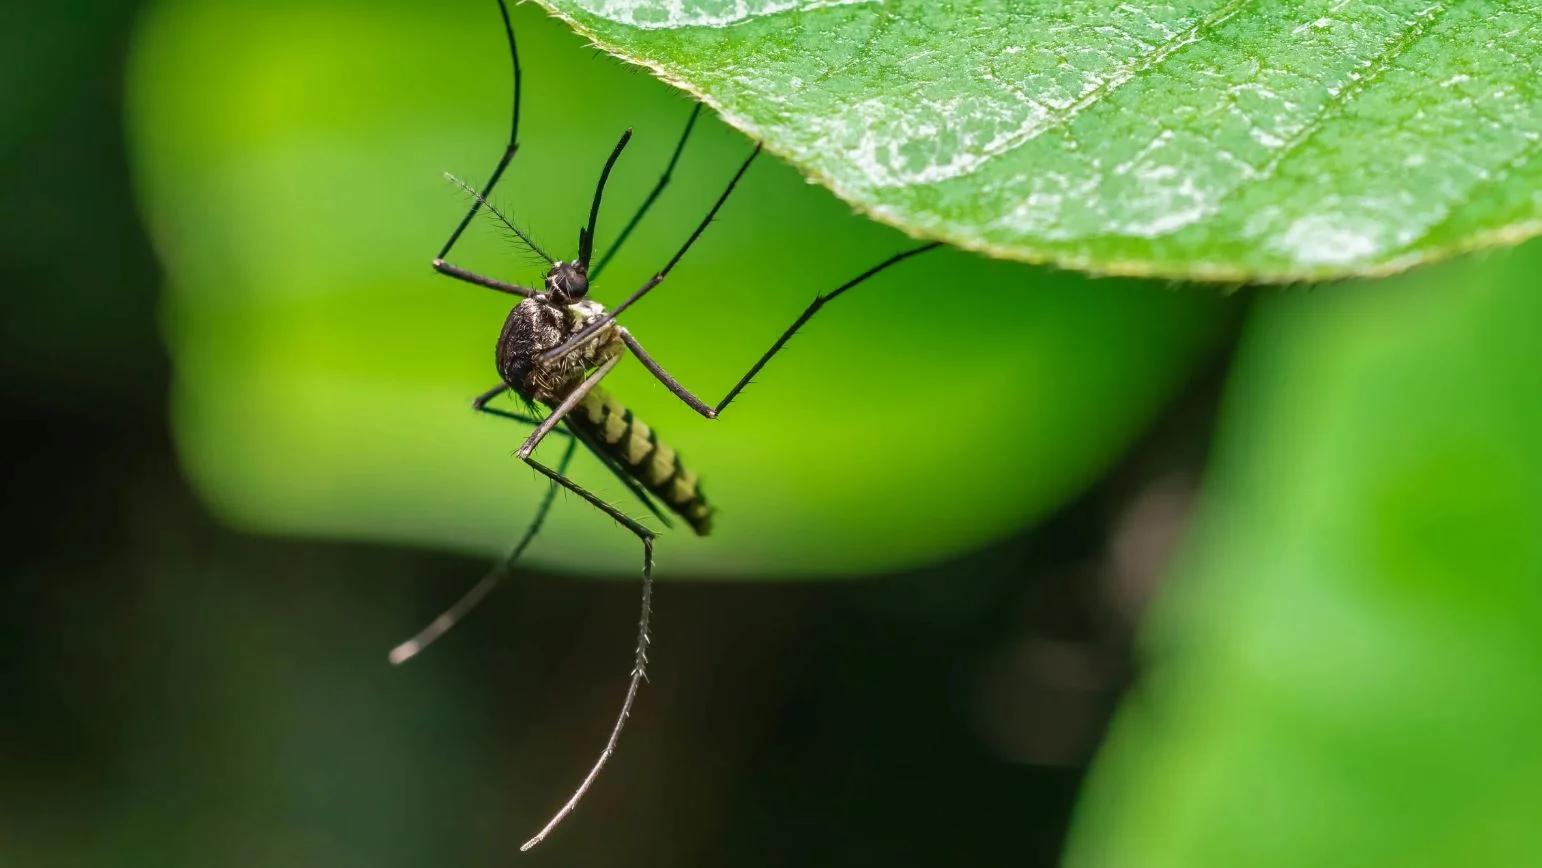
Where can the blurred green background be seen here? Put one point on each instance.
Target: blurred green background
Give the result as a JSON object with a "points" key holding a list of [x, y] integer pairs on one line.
{"points": [[293, 183], [243, 467]]}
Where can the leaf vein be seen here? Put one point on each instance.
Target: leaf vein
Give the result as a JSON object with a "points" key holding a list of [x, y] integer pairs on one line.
{"points": [[1148, 62], [1522, 157], [1335, 106]]}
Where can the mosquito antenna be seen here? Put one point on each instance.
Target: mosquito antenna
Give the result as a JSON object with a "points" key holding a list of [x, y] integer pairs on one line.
{"points": [[493, 209], [451, 616], [586, 237], [599, 323], [508, 150], [654, 194]]}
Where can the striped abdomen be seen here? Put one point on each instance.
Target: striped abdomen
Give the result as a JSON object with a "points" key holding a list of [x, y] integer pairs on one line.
{"points": [[637, 449]]}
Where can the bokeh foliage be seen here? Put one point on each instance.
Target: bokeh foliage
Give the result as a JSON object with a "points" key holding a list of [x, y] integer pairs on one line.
{"points": [[1345, 669], [293, 183], [1206, 139], [1341, 671]]}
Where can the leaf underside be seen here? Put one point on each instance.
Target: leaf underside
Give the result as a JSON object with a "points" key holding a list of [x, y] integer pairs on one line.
{"points": [[1224, 140]]}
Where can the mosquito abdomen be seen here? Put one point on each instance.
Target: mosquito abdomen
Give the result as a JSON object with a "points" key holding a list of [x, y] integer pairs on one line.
{"points": [[636, 447]]}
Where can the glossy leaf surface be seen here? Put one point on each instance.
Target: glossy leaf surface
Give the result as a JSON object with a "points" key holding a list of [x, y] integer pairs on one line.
{"points": [[1209, 139]]}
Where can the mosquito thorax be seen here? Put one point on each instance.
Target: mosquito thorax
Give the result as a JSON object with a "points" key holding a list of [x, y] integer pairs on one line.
{"points": [[567, 282]]}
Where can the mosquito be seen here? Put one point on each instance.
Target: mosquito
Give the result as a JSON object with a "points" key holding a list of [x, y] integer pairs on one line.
{"points": [[555, 347]]}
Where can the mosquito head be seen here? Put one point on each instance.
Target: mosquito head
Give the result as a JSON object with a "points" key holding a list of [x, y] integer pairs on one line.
{"points": [[567, 282]]}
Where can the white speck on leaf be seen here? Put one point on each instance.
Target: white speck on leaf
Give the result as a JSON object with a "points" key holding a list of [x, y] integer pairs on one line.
{"points": [[652, 15], [1329, 240]]}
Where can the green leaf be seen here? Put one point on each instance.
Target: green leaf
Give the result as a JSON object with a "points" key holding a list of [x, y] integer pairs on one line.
{"points": [[293, 182], [1344, 671], [1220, 140]]}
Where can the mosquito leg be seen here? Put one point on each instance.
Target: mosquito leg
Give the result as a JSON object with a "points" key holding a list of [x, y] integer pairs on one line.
{"points": [[459, 273], [480, 401], [663, 376], [588, 331], [639, 656], [623, 477], [508, 150], [712, 412], [566, 407], [652, 195], [479, 199], [468, 601], [480, 405], [451, 616]]}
